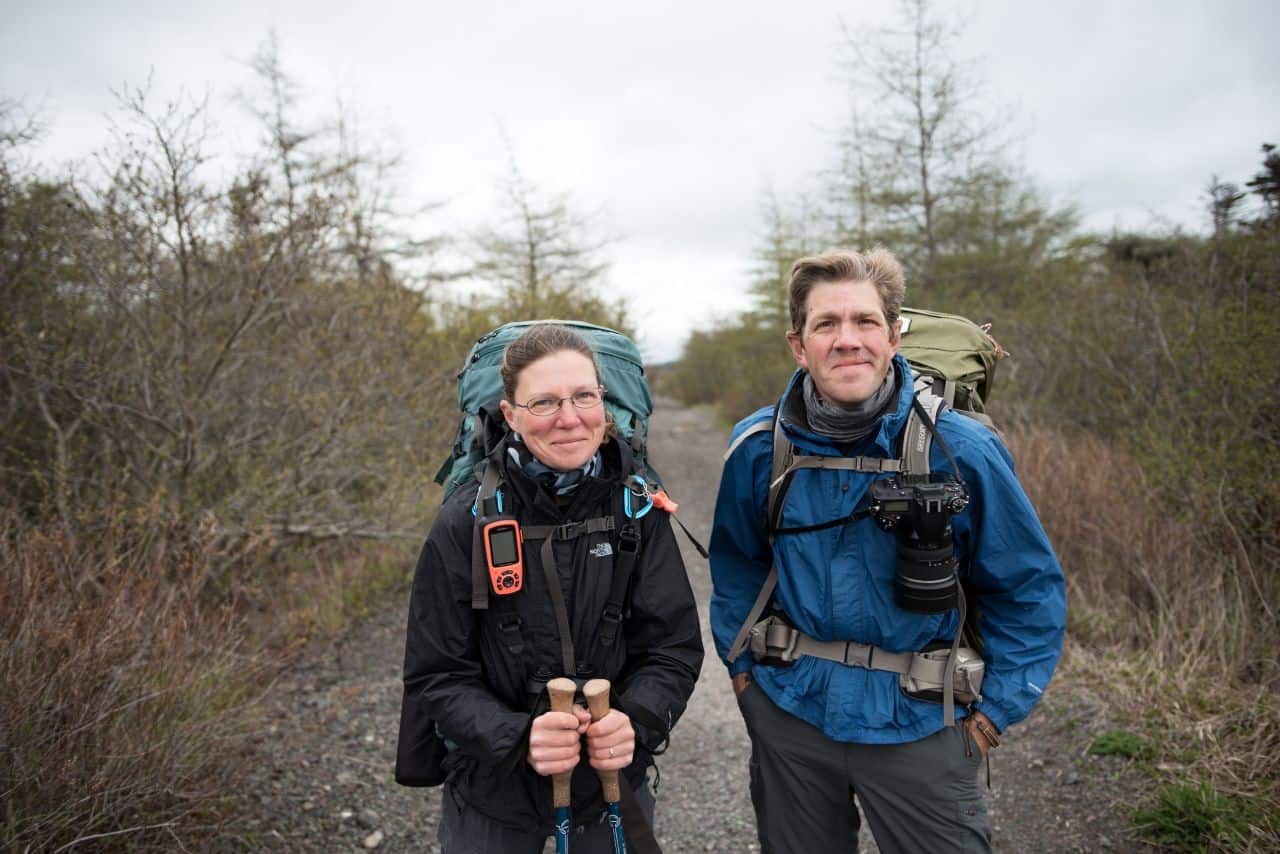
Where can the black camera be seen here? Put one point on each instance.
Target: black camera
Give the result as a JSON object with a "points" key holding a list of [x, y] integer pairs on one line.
{"points": [[926, 581]]}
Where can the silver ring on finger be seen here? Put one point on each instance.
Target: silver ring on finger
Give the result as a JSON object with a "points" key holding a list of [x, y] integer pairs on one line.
{"points": [[610, 752]]}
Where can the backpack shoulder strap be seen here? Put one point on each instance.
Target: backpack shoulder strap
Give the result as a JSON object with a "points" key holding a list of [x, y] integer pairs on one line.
{"points": [[782, 453], [758, 427], [624, 564], [917, 439], [753, 616], [486, 504]]}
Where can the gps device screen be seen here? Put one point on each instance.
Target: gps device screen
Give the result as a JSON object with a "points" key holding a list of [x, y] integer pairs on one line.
{"points": [[502, 545]]}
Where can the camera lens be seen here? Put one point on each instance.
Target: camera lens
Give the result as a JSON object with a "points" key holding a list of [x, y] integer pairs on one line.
{"points": [[926, 578]]}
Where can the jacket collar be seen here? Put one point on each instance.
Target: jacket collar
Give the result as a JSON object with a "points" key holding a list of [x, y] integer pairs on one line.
{"points": [[616, 462], [796, 424]]}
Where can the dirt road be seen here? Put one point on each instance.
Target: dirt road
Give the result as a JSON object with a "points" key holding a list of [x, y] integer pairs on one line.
{"points": [[323, 775]]}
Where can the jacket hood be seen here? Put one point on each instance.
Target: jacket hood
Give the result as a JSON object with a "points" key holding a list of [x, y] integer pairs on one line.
{"points": [[796, 423]]}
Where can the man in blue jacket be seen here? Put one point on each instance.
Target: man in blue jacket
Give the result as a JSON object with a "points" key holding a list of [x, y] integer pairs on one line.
{"points": [[834, 689]]}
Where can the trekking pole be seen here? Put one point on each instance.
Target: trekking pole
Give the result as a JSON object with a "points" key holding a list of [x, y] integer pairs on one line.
{"points": [[597, 693], [561, 691]]}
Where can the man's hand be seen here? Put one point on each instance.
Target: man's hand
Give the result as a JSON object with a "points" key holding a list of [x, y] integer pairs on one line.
{"points": [[982, 732], [555, 740], [740, 682], [611, 742]]}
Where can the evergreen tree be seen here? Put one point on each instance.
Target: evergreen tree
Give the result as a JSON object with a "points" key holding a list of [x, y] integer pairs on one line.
{"points": [[542, 259], [922, 168], [1266, 183]]}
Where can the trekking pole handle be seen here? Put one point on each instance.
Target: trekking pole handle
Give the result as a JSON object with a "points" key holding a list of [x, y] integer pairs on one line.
{"points": [[561, 691], [597, 693]]}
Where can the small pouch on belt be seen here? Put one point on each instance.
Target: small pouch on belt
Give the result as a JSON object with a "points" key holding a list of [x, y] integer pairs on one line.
{"points": [[773, 642], [924, 680]]}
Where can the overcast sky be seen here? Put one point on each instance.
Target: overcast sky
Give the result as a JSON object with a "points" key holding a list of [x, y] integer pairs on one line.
{"points": [[670, 120]]}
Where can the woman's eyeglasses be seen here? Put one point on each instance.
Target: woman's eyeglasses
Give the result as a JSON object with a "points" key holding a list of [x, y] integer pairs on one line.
{"points": [[587, 398]]}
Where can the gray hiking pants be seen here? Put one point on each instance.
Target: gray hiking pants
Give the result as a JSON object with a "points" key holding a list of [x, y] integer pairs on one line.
{"points": [[918, 796], [463, 830]]}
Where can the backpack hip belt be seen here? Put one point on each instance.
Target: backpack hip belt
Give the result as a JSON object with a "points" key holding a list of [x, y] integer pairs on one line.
{"points": [[920, 672]]}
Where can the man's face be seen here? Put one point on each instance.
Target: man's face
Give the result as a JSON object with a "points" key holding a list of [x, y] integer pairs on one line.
{"points": [[846, 344]]}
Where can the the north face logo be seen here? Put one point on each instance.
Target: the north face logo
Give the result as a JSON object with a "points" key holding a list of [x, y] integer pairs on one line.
{"points": [[601, 550]]}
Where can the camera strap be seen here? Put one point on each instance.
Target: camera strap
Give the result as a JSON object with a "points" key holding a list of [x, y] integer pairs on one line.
{"points": [[821, 526]]}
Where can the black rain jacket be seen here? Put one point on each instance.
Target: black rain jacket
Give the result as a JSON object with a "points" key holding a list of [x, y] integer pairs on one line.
{"points": [[483, 698]]}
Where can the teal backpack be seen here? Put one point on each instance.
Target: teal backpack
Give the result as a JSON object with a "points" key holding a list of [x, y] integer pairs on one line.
{"points": [[626, 396]]}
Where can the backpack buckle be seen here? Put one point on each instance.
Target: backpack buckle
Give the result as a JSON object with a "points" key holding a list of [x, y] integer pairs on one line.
{"points": [[629, 539], [509, 630], [569, 531], [612, 616], [610, 622]]}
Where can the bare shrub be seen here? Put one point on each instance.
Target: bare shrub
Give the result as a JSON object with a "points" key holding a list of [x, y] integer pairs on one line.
{"points": [[222, 391], [122, 694], [739, 367], [238, 346]]}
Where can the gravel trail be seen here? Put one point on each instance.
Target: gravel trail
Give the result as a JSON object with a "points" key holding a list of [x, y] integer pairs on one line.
{"points": [[322, 764]]}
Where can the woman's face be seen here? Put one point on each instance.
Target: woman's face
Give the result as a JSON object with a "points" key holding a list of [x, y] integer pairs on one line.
{"points": [[570, 437]]}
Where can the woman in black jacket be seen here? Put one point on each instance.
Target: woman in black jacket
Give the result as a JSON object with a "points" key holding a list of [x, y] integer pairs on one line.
{"points": [[481, 673]]}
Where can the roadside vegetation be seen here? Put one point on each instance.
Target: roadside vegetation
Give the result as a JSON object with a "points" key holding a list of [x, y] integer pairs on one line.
{"points": [[225, 386], [1137, 399]]}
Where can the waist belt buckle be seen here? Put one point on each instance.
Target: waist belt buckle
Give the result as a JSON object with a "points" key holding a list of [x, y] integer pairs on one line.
{"points": [[858, 654]]}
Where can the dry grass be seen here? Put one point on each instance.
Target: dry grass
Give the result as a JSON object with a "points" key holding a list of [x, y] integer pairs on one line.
{"points": [[315, 592], [122, 695], [1166, 626], [127, 685]]}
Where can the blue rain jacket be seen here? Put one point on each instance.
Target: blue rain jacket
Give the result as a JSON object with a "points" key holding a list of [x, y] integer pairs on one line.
{"points": [[837, 584]]}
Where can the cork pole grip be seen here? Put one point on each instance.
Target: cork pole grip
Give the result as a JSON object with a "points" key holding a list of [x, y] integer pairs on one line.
{"points": [[561, 691], [597, 693]]}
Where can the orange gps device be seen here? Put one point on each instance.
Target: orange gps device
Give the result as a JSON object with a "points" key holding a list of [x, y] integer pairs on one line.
{"points": [[504, 555]]}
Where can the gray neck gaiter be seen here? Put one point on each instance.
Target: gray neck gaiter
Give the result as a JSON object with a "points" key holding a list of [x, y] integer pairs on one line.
{"points": [[841, 423]]}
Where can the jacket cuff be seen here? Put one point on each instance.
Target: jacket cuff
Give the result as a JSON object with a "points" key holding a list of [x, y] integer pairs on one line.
{"points": [[651, 732], [999, 718]]}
